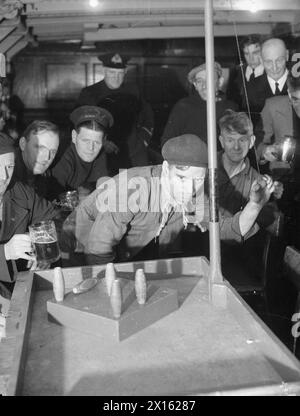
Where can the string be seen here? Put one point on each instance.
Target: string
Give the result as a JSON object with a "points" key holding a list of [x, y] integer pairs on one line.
{"points": [[243, 75]]}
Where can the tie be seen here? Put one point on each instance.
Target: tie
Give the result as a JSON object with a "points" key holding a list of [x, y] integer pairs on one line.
{"points": [[277, 90], [252, 75]]}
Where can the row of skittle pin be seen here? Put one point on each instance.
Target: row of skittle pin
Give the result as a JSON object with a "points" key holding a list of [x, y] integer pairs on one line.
{"points": [[113, 287]]}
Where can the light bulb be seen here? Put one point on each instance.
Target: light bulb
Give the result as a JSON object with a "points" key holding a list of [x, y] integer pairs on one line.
{"points": [[94, 3], [253, 6]]}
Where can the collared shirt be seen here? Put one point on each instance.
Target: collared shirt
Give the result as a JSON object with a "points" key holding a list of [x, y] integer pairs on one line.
{"points": [[258, 71], [281, 81]]}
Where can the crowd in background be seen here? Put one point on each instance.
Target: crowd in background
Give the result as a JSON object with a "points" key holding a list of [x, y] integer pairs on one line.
{"points": [[112, 128]]}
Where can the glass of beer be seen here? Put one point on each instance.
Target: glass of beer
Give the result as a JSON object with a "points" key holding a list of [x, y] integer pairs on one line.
{"points": [[44, 238]]}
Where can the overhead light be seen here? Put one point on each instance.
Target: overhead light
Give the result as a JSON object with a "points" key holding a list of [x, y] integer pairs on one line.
{"points": [[253, 6], [94, 3]]}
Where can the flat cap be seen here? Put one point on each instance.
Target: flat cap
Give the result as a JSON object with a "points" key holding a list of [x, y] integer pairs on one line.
{"points": [[113, 60], [90, 112], [7, 144], [192, 74], [185, 150]]}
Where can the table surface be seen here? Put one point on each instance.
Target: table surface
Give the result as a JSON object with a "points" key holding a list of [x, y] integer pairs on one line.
{"points": [[198, 349]]}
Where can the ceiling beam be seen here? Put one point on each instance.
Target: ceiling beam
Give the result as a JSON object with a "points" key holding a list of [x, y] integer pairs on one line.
{"points": [[224, 16], [5, 31], [8, 42], [16, 48], [150, 6], [172, 32]]}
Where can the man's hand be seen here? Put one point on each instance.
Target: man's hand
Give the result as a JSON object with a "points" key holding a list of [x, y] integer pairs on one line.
{"points": [[110, 147], [278, 190], [261, 190], [19, 247], [270, 152], [35, 265]]}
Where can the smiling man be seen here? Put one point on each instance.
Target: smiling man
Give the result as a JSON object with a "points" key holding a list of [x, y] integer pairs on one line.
{"points": [[38, 147], [20, 206], [84, 161]]}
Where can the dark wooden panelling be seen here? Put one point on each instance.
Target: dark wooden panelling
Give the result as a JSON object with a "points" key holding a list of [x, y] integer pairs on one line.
{"points": [[29, 83], [64, 81]]}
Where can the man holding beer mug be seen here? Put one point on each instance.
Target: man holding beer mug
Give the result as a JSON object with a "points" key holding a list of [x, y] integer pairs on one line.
{"points": [[20, 206]]}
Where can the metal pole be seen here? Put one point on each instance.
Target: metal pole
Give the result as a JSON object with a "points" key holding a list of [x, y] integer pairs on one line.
{"points": [[214, 231]]}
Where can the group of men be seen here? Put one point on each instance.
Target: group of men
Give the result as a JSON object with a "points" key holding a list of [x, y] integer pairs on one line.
{"points": [[143, 205]]}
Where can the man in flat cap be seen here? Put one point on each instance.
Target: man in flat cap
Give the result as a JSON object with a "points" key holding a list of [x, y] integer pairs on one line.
{"points": [[128, 140], [144, 209], [20, 206], [37, 149], [84, 161], [189, 114]]}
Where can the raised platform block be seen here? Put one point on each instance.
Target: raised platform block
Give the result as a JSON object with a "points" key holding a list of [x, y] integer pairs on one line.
{"points": [[91, 312]]}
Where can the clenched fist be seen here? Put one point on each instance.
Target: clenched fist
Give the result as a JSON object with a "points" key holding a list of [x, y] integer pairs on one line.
{"points": [[19, 247], [261, 190]]}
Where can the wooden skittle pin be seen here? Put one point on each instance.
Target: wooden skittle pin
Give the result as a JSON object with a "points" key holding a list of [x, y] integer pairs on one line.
{"points": [[110, 276], [116, 298], [140, 286], [58, 284]]}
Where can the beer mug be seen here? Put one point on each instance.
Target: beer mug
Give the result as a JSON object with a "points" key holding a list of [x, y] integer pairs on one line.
{"points": [[44, 239]]}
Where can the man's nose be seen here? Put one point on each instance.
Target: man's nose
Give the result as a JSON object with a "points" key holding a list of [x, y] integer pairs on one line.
{"points": [[236, 145]]}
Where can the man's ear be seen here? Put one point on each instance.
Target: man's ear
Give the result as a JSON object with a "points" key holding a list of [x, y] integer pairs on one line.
{"points": [[221, 141], [74, 136], [22, 143], [252, 141]]}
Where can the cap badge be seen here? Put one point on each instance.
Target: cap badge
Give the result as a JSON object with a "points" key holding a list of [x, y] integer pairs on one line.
{"points": [[116, 59]]}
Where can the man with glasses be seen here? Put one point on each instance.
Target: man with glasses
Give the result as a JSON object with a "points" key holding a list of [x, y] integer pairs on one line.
{"points": [[148, 207], [189, 114]]}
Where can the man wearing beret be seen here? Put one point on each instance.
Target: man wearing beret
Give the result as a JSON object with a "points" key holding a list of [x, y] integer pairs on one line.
{"points": [[189, 115], [129, 212], [20, 206], [37, 149], [84, 161], [128, 140]]}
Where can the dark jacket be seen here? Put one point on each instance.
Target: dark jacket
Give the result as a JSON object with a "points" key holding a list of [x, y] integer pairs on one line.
{"points": [[258, 90], [40, 183], [21, 207], [189, 117], [133, 121], [71, 171]]}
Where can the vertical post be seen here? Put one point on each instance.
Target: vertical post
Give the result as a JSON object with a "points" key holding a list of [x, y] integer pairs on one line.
{"points": [[214, 232]]}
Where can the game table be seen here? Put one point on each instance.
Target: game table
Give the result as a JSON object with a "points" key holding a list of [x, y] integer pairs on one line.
{"points": [[213, 344]]}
